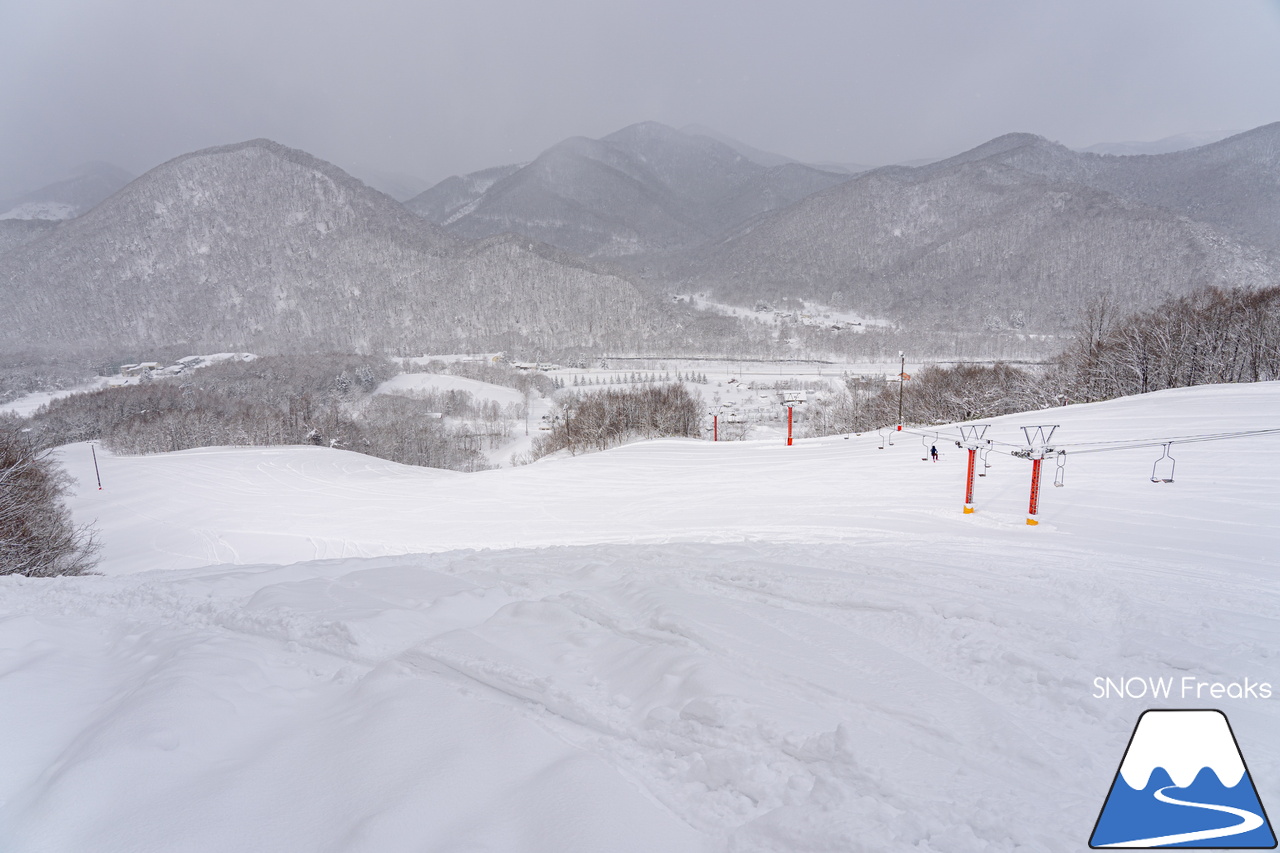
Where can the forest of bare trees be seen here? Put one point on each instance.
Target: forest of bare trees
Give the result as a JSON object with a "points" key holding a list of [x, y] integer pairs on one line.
{"points": [[1210, 336]]}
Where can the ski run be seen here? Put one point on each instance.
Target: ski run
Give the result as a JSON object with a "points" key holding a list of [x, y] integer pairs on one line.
{"points": [[672, 646]]}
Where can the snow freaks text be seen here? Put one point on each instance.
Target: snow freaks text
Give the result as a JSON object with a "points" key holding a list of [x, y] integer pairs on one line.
{"points": [[1186, 687]]}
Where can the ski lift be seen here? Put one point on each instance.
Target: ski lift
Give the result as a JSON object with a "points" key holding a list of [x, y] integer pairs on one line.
{"points": [[1059, 476], [1162, 471], [983, 454], [881, 433], [924, 440]]}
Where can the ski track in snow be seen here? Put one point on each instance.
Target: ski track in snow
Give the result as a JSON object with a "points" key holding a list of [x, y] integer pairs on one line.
{"points": [[670, 646]]}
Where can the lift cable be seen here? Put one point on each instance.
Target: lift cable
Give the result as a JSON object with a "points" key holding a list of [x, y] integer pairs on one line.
{"points": [[1078, 447]]}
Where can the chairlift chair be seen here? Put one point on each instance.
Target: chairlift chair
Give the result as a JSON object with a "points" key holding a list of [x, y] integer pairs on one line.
{"points": [[1162, 470]]}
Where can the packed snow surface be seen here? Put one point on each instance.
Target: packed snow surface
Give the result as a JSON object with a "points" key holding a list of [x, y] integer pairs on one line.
{"points": [[672, 646]]}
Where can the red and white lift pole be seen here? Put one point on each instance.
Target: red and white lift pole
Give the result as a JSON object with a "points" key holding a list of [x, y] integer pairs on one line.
{"points": [[1033, 508], [1038, 447], [971, 438], [788, 426]]}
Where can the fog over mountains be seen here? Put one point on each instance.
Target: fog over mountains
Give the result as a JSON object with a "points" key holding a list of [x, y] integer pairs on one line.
{"points": [[1169, 144], [646, 188], [64, 199], [259, 247]]}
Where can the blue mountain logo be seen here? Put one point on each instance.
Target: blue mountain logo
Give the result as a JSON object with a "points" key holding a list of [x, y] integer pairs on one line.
{"points": [[1183, 783]]}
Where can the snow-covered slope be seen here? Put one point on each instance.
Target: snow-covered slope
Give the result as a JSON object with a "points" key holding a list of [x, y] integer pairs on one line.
{"points": [[671, 646]]}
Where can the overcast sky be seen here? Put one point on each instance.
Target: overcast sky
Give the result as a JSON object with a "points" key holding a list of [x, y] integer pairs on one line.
{"points": [[432, 88]]}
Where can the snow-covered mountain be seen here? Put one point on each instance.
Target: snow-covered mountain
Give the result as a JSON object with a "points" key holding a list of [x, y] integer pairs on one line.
{"points": [[88, 186], [455, 196], [769, 158], [644, 188], [672, 646], [1232, 184], [260, 247], [1016, 233]]}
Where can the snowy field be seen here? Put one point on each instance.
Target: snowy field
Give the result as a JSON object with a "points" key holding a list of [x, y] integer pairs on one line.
{"points": [[671, 646], [26, 405], [422, 384]]}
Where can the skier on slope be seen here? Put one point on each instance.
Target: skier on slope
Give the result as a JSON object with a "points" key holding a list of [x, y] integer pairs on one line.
{"points": [[933, 451]]}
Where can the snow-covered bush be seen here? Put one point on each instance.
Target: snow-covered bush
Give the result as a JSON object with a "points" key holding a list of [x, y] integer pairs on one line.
{"points": [[604, 419], [37, 536]]}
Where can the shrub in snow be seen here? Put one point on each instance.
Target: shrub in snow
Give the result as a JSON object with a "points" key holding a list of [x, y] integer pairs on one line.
{"points": [[596, 421], [37, 537]]}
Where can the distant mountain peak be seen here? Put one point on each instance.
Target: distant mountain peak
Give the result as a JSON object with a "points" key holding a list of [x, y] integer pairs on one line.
{"points": [[1007, 143], [647, 130], [647, 187]]}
